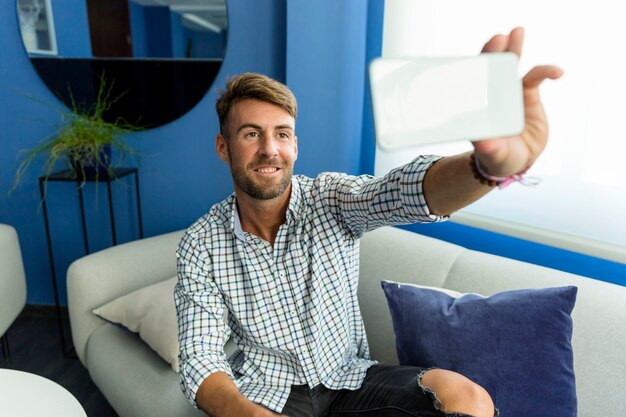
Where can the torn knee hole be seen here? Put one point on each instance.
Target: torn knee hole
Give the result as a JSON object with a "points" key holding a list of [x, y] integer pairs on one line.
{"points": [[428, 391], [438, 404]]}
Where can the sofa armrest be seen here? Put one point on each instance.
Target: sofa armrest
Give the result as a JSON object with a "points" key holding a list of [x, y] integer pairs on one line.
{"points": [[12, 277], [110, 273]]}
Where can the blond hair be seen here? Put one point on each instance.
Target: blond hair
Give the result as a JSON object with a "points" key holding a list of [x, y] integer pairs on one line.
{"points": [[254, 86]]}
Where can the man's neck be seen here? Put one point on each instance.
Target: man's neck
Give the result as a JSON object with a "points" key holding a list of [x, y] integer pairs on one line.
{"points": [[262, 218]]}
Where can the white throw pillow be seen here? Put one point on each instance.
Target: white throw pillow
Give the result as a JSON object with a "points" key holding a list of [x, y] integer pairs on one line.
{"points": [[149, 311]]}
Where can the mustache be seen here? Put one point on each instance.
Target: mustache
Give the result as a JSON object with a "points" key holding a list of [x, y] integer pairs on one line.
{"points": [[264, 162]]}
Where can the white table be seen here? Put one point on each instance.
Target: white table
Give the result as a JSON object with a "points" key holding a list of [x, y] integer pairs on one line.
{"points": [[23, 394]]}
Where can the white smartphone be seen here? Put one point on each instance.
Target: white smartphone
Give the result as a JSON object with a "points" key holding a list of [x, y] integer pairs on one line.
{"points": [[425, 100]]}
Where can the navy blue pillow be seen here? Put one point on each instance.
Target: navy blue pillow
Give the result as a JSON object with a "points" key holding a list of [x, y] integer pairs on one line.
{"points": [[516, 344]]}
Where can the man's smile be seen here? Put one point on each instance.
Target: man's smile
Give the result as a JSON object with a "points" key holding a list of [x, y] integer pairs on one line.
{"points": [[266, 170]]}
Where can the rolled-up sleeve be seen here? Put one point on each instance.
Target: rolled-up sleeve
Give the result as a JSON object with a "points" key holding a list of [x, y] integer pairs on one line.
{"points": [[364, 203], [202, 332]]}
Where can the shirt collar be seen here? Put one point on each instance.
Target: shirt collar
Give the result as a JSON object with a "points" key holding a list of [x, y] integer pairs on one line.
{"points": [[294, 209], [235, 222]]}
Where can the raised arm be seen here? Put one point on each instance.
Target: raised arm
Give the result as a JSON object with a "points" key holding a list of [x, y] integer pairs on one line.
{"points": [[450, 185]]}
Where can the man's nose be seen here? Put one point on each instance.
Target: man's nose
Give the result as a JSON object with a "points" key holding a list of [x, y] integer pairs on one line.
{"points": [[268, 146]]}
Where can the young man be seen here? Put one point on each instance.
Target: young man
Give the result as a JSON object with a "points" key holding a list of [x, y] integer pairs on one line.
{"points": [[280, 256]]}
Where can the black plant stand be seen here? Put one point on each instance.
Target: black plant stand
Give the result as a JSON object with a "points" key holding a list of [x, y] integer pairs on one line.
{"points": [[67, 176]]}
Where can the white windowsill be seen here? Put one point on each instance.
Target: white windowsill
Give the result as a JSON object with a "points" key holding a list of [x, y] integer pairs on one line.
{"points": [[596, 248]]}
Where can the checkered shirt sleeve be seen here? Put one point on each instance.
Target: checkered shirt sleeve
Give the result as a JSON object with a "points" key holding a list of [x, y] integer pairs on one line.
{"points": [[364, 203], [200, 311]]}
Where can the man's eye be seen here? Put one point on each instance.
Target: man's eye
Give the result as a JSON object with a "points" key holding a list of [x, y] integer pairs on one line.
{"points": [[283, 136], [252, 134]]}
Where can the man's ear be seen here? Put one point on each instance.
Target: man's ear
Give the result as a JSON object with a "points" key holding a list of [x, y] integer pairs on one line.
{"points": [[296, 150], [221, 147]]}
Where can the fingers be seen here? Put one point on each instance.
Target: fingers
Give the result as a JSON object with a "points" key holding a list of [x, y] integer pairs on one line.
{"points": [[512, 42], [538, 74], [497, 43], [516, 41]]}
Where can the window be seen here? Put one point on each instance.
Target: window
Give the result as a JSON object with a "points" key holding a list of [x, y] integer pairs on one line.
{"points": [[37, 26], [581, 203]]}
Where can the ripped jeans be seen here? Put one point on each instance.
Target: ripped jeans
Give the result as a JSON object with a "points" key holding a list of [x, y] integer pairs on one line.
{"points": [[387, 391]]}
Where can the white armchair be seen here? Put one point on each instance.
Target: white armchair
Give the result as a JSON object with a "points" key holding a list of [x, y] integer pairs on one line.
{"points": [[12, 282]]}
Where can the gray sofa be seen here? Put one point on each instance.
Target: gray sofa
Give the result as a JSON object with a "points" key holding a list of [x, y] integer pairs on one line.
{"points": [[137, 382]]}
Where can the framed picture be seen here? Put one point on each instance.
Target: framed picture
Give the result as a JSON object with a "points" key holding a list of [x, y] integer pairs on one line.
{"points": [[37, 26]]}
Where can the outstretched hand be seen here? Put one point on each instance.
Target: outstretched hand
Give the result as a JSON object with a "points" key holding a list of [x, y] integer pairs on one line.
{"points": [[511, 155]]}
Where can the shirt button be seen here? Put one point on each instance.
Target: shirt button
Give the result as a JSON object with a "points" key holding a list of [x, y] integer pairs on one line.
{"points": [[282, 275]]}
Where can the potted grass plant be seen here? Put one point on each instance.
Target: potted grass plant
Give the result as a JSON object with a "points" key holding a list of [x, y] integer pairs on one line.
{"points": [[84, 141]]}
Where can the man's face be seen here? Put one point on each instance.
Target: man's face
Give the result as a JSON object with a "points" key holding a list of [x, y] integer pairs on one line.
{"points": [[260, 146]]}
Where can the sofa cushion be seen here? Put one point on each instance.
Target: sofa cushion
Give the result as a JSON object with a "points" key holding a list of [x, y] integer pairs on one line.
{"points": [[150, 312], [516, 344]]}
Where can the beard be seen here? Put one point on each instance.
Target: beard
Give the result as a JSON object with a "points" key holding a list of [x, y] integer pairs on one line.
{"points": [[259, 191]]}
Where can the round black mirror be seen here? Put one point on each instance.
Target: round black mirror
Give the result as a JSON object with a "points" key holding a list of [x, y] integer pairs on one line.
{"points": [[159, 57]]}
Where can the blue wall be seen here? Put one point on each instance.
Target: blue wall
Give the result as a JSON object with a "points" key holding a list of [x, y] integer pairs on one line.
{"points": [[138, 30], [158, 32], [374, 46], [180, 175], [325, 69], [70, 25], [205, 44]]}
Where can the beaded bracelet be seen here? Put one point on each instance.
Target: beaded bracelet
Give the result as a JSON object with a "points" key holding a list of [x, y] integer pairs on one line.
{"points": [[502, 182]]}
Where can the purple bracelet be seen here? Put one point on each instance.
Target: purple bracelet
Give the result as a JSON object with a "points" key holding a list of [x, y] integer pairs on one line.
{"points": [[502, 182]]}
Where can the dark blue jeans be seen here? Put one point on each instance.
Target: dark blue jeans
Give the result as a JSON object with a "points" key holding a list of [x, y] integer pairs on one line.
{"points": [[388, 391]]}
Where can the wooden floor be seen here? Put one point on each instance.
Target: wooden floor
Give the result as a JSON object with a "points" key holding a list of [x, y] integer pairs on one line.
{"points": [[35, 347]]}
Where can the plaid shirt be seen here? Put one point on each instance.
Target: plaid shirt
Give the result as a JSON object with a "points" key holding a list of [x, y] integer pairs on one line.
{"points": [[292, 308]]}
